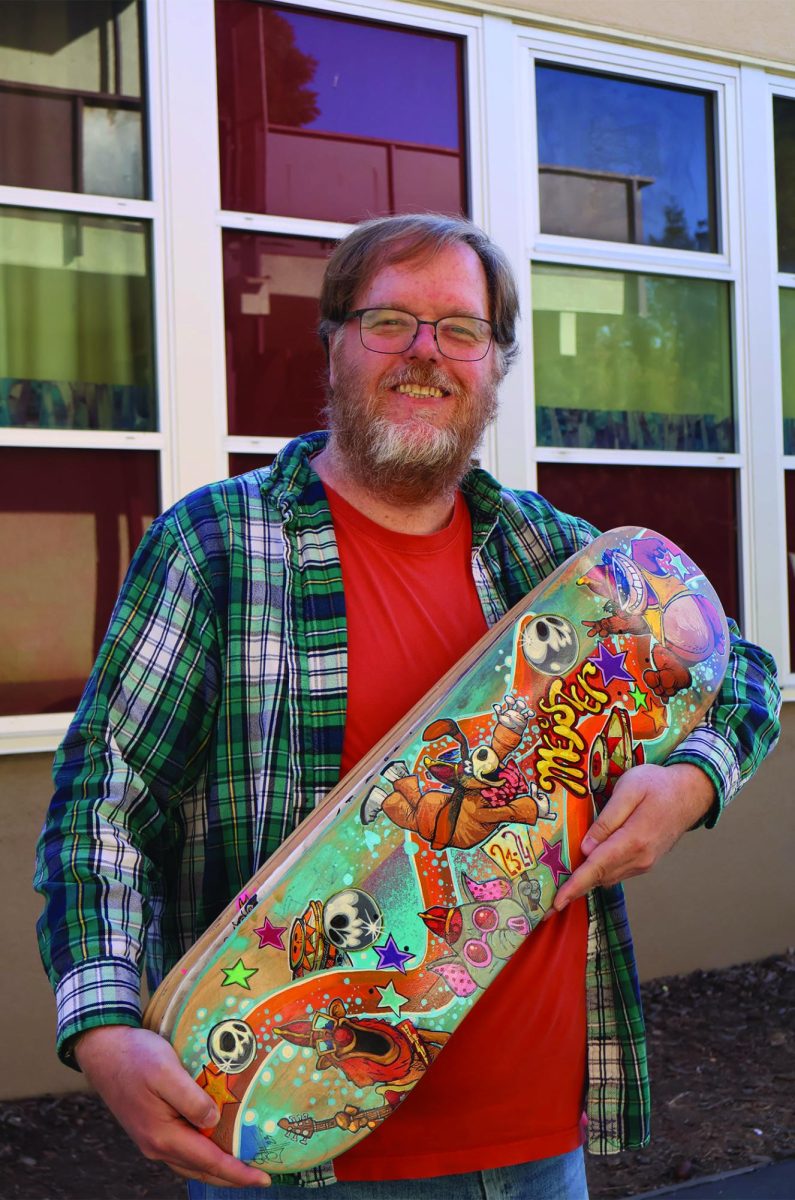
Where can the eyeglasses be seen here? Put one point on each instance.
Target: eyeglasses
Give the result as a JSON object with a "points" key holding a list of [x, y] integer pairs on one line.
{"points": [[391, 331]]}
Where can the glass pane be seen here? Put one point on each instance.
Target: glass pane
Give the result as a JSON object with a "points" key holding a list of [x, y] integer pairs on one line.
{"points": [[69, 522], [629, 361], [275, 364], [784, 132], [787, 308], [625, 161], [694, 506], [789, 492], [70, 94], [327, 117], [76, 336], [240, 464]]}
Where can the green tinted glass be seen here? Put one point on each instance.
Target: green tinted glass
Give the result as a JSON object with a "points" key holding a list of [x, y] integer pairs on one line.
{"points": [[630, 361], [76, 336], [787, 308]]}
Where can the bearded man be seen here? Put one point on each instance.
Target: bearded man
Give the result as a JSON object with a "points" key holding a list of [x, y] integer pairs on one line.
{"points": [[272, 627]]}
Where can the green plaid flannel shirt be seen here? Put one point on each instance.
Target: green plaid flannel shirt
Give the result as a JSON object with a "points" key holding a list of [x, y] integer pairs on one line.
{"points": [[212, 724]]}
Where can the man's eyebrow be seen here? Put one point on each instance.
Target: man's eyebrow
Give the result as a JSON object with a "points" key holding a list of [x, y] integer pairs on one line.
{"points": [[455, 312]]}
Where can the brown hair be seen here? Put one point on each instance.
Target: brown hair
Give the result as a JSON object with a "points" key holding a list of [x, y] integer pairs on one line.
{"points": [[384, 240]]}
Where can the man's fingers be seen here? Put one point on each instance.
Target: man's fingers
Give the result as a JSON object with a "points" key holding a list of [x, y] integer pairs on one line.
{"points": [[185, 1096], [190, 1154], [629, 792]]}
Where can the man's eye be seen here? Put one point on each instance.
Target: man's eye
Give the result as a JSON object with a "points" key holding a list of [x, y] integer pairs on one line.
{"points": [[387, 322], [461, 333]]}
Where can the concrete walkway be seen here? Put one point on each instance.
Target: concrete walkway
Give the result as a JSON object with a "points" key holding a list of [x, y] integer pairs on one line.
{"points": [[776, 1181]]}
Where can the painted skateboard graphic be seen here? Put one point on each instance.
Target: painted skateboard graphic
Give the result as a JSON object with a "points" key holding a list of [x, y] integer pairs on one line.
{"points": [[322, 994]]}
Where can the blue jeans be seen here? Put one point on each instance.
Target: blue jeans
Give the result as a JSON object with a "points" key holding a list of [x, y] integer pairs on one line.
{"points": [[559, 1178]]}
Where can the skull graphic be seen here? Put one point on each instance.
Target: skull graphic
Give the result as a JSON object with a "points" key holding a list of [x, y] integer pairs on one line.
{"points": [[550, 644], [352, 920], [232, 1046]]}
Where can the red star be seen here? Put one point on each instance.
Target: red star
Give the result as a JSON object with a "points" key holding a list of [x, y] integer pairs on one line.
{"points": [[551, 858], [271, 935]]}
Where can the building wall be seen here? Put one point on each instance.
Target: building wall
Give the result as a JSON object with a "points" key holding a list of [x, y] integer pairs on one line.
{"points": [[722, 896], [759, 28]]}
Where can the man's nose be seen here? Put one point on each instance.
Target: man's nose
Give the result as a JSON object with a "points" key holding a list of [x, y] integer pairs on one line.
{"points": [[424, 345]]}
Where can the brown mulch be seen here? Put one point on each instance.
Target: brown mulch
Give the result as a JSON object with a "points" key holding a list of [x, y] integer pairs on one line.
{"points": [[722, 1051]]}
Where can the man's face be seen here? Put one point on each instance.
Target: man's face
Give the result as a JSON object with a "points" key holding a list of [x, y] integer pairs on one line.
{"points": [[388, 430]]}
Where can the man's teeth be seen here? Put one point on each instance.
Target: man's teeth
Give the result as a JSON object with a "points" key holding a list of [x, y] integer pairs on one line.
{"points": [[414, 389]]}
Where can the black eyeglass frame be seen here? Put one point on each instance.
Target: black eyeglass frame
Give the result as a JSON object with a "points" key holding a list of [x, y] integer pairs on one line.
{"points": [[359, 312]]}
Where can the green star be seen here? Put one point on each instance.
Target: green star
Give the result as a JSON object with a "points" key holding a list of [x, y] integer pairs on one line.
{"points": [[640, 697], [239, 974], [391, 998]]}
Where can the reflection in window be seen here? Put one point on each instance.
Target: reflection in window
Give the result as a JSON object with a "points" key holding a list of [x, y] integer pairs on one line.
{"points": [[327, 117], [625, 161], [660, 497], [76, 337], [784, 132], [69, 523], [787, 309], [630, 361], [275, 364], [71, 105]]}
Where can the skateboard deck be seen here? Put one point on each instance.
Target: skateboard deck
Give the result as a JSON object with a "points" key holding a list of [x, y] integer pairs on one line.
{"points": [[325, 990]]}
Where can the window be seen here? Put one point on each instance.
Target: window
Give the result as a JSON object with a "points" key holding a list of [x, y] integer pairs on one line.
{"points": [[80, 441], [631, 286], [784, 142]]}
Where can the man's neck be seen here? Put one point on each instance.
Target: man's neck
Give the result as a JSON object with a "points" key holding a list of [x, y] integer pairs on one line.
{"points": [[420, 517]]}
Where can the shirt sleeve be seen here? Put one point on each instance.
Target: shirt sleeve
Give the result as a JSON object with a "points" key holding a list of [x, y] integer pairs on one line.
{"points": [[136, 742], [740, 728]]}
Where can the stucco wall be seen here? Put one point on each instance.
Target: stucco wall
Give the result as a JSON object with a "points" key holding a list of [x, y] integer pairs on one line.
{"points": [[722, 896], [759, 28]]}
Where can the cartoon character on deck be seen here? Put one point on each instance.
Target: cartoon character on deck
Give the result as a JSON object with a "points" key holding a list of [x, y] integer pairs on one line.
{"points": [[369, 1052], [481, 788], [485, 932], [644, 596]]}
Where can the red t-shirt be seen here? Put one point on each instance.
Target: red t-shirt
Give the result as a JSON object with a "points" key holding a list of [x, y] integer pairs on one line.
{"points": [[509, 1086]]}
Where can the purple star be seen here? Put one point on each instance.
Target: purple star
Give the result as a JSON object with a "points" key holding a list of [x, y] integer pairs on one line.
{"points": [[271, 935], [611, 665], [552, 858], [390, 957]]}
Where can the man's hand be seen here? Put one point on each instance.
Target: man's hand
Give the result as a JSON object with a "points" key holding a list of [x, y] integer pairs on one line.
{"points": [[154, 1099], [648, 812]]}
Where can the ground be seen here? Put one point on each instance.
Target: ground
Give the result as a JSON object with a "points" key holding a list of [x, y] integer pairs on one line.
{"points": [[722, 1053]]}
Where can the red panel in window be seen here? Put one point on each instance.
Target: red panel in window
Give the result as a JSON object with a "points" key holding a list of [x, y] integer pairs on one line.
{"points": [[694, 506], [275, 363], [69, 522], [328, 117], [789, 493], [240, 464]]}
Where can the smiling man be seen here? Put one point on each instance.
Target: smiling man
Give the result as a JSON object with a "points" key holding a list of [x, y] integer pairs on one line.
{"points": [[271, 628]]}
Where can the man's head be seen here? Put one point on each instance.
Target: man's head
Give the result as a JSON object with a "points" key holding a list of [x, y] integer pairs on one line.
{"points": [[406, 414]]}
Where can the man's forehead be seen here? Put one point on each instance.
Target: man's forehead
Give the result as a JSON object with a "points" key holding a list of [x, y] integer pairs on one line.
{"points": [[452, 274]]}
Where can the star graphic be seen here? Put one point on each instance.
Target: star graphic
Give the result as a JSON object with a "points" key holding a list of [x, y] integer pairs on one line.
{"points": [[271, 935], [391, 998], [390, 957], [679, 567], [239, 974], [640, 697], [552, 857], [611, 665], [214, 1083]]}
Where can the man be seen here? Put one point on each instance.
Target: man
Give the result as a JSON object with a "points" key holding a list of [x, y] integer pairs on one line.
{"points": [[237, 681]]}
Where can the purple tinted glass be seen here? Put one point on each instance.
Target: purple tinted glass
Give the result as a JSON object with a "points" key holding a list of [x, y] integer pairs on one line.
{"points": [[784, 133], [696, 507], [332, 118], [624, 160], [69, 522], [275, 364]]}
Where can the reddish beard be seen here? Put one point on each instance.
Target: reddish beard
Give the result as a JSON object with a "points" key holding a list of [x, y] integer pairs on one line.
{"points": [[412, 460]]}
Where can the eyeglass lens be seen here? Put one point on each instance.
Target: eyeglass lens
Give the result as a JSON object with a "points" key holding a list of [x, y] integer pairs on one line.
{"points": [[390, 331]]}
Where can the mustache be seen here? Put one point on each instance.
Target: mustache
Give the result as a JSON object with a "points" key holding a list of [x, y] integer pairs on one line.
{"points": [[421, 375]]}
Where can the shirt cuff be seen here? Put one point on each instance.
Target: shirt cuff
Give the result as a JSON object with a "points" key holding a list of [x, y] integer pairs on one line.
{"points": [[714, 754], [103, 991]]}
